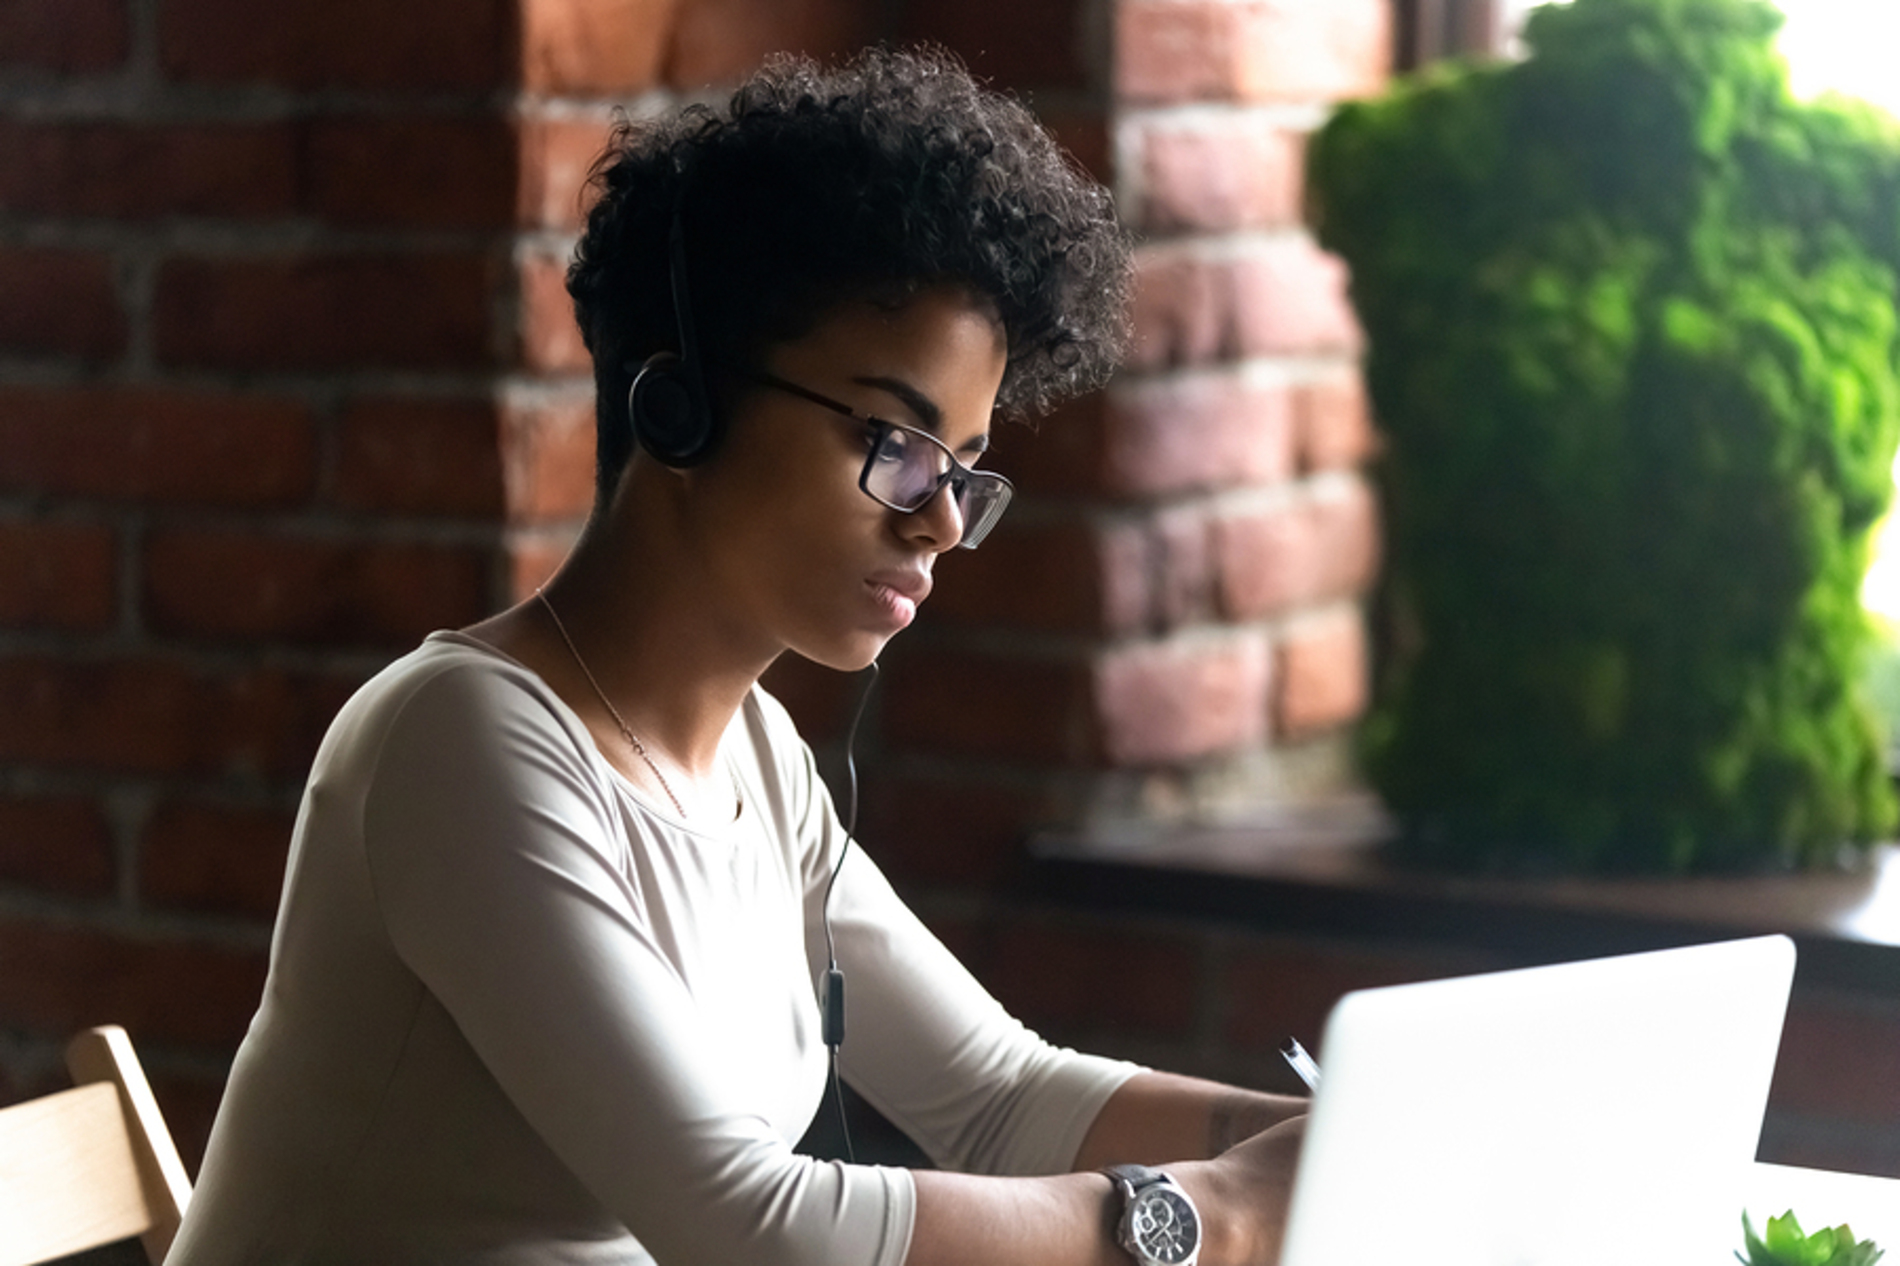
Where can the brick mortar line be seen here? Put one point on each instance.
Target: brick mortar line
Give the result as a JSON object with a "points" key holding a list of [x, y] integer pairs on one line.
{"points": [[1300, 116], [1128, 184], [341, 664], [508, 308], [152, 926], [137, 285], [230, 793], [564, 108], [302, 233], [1312, 615], [31, 1059], [56, 511], [543, 241], [127, 809], [129, 532], [296, 524], [1266, 369], [224, 791], [554, 531], [1224, 244], [142, 57], [532, 391], [1300, 489], [314, 388], [142, 97], [1094, 31]]}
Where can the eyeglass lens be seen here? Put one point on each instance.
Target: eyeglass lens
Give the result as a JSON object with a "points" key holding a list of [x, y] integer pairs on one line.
{"points": [[906, 468]]}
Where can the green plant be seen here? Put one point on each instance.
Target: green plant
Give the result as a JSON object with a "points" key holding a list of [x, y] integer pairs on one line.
{"points": [[1631, 340], [1785, 1245]]}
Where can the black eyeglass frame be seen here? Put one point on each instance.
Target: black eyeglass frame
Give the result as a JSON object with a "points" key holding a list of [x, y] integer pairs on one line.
{"points": [[957, 475]]}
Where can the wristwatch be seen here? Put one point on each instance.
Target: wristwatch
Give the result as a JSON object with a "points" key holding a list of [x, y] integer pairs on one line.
{"points": [[1159, 1224]]}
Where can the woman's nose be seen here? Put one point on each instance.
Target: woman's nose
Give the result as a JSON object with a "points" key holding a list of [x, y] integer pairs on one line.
{"points": [[938, 522]]}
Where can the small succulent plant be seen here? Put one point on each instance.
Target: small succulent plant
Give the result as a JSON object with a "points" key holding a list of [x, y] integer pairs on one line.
{"points": [[1783, 1244]]}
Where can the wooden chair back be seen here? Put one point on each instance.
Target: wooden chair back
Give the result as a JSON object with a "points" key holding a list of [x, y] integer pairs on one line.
{"points": [[92, 1165]]}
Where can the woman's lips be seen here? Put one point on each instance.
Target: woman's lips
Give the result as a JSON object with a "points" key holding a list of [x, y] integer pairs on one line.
{"points": [[900, 594]]}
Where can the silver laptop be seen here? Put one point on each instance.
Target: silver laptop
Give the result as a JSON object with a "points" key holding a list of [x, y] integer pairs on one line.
{"points": [[1591, 1112]]}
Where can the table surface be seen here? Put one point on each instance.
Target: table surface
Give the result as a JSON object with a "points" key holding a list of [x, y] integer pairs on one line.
{"points": [[1818, 1198]]}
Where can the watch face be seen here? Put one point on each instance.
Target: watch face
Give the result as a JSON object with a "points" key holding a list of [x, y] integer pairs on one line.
{"points": [[1164, 1226]]}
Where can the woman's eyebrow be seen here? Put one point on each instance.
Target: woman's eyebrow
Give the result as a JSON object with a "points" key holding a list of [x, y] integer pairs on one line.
{"points": [[917, 402], [922, 406]]}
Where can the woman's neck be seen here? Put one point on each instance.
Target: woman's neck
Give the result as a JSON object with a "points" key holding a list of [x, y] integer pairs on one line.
{"points": [[654, 646], [628, 636]]}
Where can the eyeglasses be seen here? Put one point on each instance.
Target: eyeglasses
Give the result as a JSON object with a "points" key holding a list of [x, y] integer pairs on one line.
{"points": [[906, 468]]}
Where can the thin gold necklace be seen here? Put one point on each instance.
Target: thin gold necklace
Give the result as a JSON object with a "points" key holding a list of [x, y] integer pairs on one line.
{"points": [[626, 731]]}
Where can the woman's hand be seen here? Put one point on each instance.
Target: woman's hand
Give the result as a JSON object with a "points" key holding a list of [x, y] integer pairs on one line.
{"points": [[1243, 1196]]}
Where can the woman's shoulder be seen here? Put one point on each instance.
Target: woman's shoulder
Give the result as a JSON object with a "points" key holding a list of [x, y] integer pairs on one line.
{"points": [[449, 660], [454, 688]]}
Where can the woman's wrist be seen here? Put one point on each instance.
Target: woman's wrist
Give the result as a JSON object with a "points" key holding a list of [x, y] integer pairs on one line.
{"points": [[1242, 1196], [1224, 1235]]}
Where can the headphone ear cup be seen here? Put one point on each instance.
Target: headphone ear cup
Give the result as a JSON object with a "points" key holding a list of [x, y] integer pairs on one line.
{"points": [[670, 419]]}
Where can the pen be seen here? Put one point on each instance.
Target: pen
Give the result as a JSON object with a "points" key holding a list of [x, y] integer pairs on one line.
{"points": [[1302, 1063]]}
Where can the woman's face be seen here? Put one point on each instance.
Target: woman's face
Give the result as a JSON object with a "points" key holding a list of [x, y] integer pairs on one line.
{"points": [[797, 553]]}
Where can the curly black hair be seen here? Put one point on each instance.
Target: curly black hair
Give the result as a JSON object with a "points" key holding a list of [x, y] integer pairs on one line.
{"points": [[814, 185]]}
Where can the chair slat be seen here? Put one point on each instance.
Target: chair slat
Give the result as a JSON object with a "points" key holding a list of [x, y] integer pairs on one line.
{"points": [[68, 1180], [105, 1054]]}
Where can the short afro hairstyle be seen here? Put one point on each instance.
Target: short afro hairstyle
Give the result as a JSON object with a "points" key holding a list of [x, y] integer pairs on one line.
{"points": [[812, 186]]}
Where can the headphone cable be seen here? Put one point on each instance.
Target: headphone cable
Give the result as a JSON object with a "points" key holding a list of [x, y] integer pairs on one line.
{"points": [[832, 1008]]}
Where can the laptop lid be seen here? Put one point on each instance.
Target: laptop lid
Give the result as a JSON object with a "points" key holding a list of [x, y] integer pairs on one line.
{"points": [[1589, 1112]]}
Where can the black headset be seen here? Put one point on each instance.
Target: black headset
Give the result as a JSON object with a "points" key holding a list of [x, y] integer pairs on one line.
{"points": [[667, 405]]}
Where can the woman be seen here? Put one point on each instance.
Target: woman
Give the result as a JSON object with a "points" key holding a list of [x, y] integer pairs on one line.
{"points": [[565, 884]]}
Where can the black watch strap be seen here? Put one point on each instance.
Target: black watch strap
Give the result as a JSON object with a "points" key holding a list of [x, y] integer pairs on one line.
{"points": [[1134, 1177]]}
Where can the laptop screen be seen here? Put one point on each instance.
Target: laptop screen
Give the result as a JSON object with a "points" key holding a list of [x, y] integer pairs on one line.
{"points": [[1590, 1112]]}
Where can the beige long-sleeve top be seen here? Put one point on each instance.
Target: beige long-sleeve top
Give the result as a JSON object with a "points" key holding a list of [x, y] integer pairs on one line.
{"points": [[518, 1013]]}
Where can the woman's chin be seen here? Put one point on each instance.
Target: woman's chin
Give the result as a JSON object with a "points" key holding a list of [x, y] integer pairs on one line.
{"points": [[849, 655]]}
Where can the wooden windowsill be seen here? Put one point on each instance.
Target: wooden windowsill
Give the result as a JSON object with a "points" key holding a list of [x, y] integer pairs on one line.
{"points": [[1322, 872]]}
